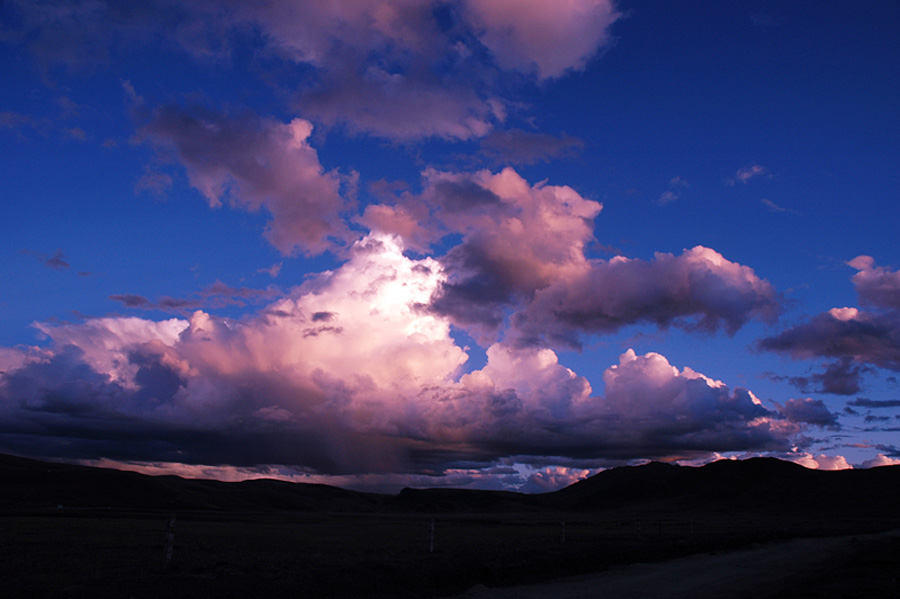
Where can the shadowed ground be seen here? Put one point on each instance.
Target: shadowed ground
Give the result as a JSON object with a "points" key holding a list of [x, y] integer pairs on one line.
{"points": [[759, 528], [835, 567]]}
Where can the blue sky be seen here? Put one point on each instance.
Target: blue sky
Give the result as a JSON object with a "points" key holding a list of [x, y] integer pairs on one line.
{"points": [[489, 244]]}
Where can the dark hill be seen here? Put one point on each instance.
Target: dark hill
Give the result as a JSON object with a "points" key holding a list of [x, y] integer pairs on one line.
{"points": [[759, 484], [27, 483]]}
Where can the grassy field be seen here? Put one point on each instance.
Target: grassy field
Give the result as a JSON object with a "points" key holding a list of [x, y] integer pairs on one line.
{"points": [[109, 553]]}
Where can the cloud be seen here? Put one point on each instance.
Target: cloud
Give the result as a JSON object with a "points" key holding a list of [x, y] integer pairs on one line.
{"points": [[352, 374], [400, 69], [273, 270], [697, 290], [810, 411], [880, 460], [56, 260], [549, 38], [843, 333], [863, 402], [820, 462], [676, 186], [130, 300], [517, 238], [553, 478], [747, 173], [515, 146], [522, 261], [850, 335], [876, 286], [773, 207], [253, 163], [216, 295], [840, 378]]}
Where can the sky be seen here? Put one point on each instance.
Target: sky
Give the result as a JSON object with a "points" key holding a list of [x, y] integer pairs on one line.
{"points": [[497, 244]]}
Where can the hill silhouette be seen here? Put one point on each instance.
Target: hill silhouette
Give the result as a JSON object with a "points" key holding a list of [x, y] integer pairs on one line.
{"points": [[757, 484]]}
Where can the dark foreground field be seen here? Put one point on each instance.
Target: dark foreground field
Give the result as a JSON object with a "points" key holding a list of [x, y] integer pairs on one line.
{"points": [[275, 539]]}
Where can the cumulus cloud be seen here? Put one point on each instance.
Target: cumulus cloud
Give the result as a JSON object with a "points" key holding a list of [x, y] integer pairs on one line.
{"points": [[517, 238], [877, 286], [255, 163], [852, 337], [549, 38], [352, 374], [808, 410], [867, 338], [553, 478], [880, 460], [697, 290], [820, 462], [522, 261]]}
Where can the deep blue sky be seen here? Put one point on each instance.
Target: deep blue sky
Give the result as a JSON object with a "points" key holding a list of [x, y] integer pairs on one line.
{"points": [[207, 162]]}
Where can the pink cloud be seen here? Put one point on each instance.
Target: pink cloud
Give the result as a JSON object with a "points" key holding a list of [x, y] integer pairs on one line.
{"points": [[746, 173], [547, 37], [390, 68], [349, 374], [821, 461], [699, 289], [866, 338], [517, 238], [553, 478], [876, 286], [880, 460], [254, 163]]}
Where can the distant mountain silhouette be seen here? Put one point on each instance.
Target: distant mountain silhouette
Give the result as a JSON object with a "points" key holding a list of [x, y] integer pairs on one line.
{"points": [[764, 484], [758, 484]]}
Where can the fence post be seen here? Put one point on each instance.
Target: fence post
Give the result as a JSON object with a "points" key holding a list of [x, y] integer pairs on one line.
{"points": [[431, 538], [170, 540]]}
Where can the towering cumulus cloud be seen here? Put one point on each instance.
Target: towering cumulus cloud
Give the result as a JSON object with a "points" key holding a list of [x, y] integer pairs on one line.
{"points": [[354, 373]]}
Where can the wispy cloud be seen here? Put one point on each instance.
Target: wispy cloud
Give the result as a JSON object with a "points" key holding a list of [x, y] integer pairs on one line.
{"points": [[56, 260], [747, 173], [676, 186], [773, 207]]}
